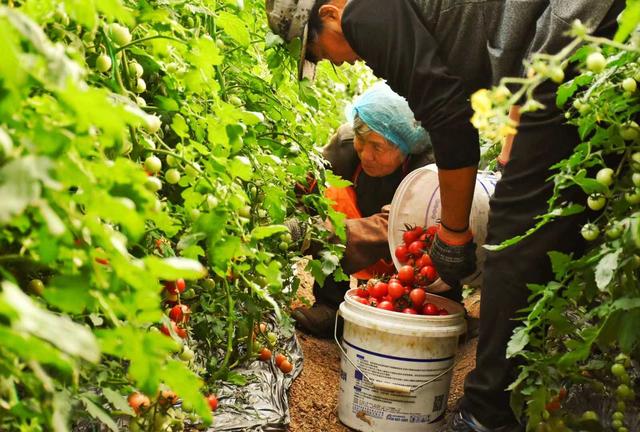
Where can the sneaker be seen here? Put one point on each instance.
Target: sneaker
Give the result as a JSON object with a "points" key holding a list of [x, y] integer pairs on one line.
{"points": [[462, 420], [318, 320]]}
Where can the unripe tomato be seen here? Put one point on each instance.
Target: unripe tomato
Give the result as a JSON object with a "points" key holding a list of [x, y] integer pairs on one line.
{"points": [[212, 400], [153, 184], [220, 44], [614, 231], [245, 212], [623, 392], [629, 131], [605, 176], [153, 124], [172, 161], [633, 197], [596, 62], [103, 63], [629, 85], [119, 34], [138, 402], [141, 86], [172, 176], [235, 100], [596, 202], [135, 69], [193, 169], [194, 213], [153, 164], [590, 232], [556, 74], [36, 286], [406, 274], [618, 369], [635, 178], [186, 354]]}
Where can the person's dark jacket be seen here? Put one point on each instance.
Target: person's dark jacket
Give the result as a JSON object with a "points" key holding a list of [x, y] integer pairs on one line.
{"points": [[367, 240]]}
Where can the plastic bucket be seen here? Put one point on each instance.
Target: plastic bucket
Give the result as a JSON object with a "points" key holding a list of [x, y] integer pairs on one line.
{"points": [[417, 202], [396, 368]]}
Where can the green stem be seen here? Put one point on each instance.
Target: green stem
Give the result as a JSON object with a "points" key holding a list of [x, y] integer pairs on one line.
{"points": [[144, 39], [177, 156]]}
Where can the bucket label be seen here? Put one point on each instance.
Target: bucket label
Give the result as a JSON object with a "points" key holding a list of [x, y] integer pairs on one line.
{"points": [[423, 406]]}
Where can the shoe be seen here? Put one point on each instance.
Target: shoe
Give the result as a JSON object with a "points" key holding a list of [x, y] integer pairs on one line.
{"points": [[318, 320], [462, 420]]}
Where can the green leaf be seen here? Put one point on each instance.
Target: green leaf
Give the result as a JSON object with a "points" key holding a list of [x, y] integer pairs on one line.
{"points": [[72, 338], [99, 414], [223, 251], [234, 27], [263, 232], [179, 126], [69, 293], [336, 181], [241, 167], [187, 384], [629, 21], [118, 401], [518, 341], [606, 268], [31, 348], [236, 379], [173, 268], [568, 89], [559, 263]]}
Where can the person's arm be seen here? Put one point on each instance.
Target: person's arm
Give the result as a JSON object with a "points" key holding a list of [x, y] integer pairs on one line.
{"points": [[367, 242], [398, 47], [505, 151]]}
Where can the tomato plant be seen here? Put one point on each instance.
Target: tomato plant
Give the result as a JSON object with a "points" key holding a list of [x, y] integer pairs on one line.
{"points": [[149, 154]]}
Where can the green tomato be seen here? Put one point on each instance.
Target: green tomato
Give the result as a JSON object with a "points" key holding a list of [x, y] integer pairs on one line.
{"points": [[635, 160], [596, 62], [590, 232], [141, 102], [629, 85], [194, 213], [614, 231], [189, 294], [596, 202], [244, 211], [135, 69], [119, 34], [153, 164], [212, 202], [187, 354], [220, 44], [286, 237], [629, 131], [141, 86], [556, 74], [618, 416], [605, 176], [172, 176], [209, 284], [633, 198], [153, 184], [36, 286], [192, 170], [623, 392], [623, 359], [103, 63], [153, 124], [590, 416], [616, 424], [235, 100], [272, 337], [172, 161], [283, 246], [635, 178]]}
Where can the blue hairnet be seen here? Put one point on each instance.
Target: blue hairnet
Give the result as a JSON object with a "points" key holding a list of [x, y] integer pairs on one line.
{"points": [[388, 114]]}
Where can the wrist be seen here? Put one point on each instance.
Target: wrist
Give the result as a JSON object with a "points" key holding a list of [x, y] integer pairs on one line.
{"points": [[454, 238]]}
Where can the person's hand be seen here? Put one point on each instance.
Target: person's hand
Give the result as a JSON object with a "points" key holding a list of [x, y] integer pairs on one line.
{"points": [[453, 254], [296, 229]]}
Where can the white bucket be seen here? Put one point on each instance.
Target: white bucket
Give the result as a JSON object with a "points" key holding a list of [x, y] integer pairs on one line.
{"points": [[417, 202], [396, 368]]}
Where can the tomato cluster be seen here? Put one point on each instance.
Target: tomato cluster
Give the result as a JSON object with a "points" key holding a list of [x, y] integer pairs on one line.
{"points": [[406, 291], [265, 354]]}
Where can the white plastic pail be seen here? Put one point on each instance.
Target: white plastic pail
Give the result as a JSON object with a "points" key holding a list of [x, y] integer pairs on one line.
{"points": [[396, 368], [417, 202]]}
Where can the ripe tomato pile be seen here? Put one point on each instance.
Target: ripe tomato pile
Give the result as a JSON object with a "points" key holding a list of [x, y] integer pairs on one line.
{"points": [[406, 291]]}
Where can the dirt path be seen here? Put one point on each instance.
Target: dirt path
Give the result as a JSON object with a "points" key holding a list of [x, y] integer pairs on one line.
{"points": [[313, 397]]}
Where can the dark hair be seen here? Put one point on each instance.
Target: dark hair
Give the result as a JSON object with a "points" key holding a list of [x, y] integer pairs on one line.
{"points": [[315, 25]]}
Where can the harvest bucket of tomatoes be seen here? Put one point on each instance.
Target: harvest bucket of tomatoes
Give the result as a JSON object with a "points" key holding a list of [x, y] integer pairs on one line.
{"points": [[397, 365], [416, 202]]}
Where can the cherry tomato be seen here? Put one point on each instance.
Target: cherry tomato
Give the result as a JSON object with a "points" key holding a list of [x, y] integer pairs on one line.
{"points": [[429, 273], [425, 260], [417, 247], [553, 405], [605, 176], [395, 291], [380, 289], [280, 358], [590, 232], [410, 311], [138, 402], [386, 305], [212, 400], [430, 309], [361, 300], [410, 236], [629, 85], [174, 287], [180, 313], [596, 62], [362, 292], [596, 202], [443, 311], [172, 176], [168, 397], [373, 301], [103, 63], [286, 366], [417, 296], [264, 354], [402, 253], [406, 274]]}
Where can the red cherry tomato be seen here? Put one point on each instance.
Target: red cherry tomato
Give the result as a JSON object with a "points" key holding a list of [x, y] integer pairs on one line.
{"points": [[443, 311], [417, 296], [362, 292], [396, 290], [424, 260], [410, 311], [180, 313], [410, 236], [406, 274], [174, 287], [379, 289], [361, 300], [402, 253], [373, 301], [416, 248], [430, 309], [429, 273], [213, 402], [386, 305]]}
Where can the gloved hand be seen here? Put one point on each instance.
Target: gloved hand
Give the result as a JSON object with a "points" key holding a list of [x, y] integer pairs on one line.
{"points": [[454, 260], [296, 229]]}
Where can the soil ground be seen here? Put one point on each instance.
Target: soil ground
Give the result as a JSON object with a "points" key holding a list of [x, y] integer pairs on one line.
{"points": [[313, 398]]}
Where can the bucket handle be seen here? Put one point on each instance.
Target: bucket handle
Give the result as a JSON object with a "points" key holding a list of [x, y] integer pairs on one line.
{"points": [[392, 388]]}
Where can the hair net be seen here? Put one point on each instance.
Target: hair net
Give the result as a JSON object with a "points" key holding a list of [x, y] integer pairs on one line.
{"points": [[388, 114]]}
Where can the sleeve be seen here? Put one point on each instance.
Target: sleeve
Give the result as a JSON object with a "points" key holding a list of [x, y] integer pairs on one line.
{"points": [[398, 47], [366, 241]]}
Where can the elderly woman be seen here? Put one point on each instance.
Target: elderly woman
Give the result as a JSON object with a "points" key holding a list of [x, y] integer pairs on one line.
{"points": [[381, 145]]}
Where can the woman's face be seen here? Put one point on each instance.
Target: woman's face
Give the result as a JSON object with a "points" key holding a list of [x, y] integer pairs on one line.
{"points": [[378, 157]]}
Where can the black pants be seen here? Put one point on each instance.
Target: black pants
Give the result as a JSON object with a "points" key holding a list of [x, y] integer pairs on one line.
{"points": [[542, 140]]}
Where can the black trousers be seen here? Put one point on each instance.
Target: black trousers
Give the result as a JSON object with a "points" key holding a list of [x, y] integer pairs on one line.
{"points": [[543, 139]]}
